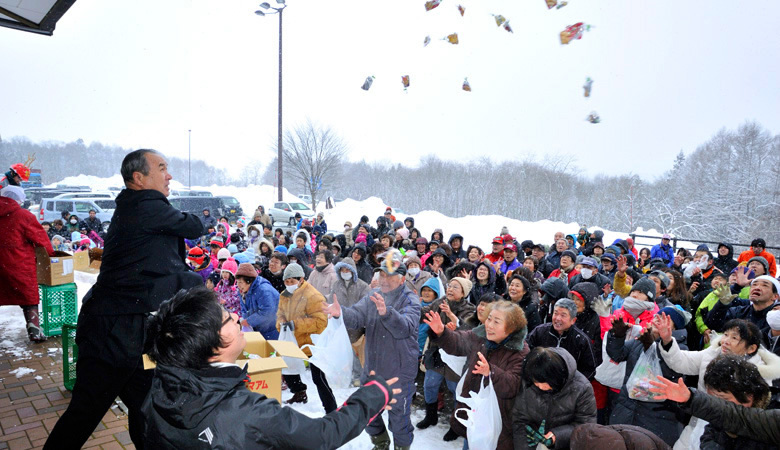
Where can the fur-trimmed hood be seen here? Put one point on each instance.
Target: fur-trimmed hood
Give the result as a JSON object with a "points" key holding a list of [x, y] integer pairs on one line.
{"points": [[347, 263]]}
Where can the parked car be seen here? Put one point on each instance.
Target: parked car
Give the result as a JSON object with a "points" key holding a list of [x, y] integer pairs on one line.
{"points": [[68, 195], [190, 193], [233, 208], [52, 208], [284, 212], [35, 195], [196, 205]]}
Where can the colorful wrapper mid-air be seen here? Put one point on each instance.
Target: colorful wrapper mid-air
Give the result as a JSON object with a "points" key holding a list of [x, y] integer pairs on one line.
{"points": [[426, 41], [452, 38], [587, 86], [462, 10], [429, 5], [367, 84], [499, 19], [594, 117], [466, 85], [573, 32], [405, 81], [551, 3]]}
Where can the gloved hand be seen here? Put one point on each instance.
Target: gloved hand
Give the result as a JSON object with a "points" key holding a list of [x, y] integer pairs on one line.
{"points": [[724, 294], [602, 307], [289, 325], [536, 437], [646, 338], [619, 328]]}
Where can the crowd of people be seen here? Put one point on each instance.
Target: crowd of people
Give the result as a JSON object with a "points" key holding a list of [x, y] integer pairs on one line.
{"points": [[585, 342]]}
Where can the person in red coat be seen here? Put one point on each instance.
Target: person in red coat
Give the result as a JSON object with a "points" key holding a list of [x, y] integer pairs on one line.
{"points": [[18, 276]]}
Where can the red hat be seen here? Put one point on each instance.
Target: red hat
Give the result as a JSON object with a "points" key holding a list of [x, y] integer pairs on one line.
{"points": [[196, 255], [498, 240], [511, 247], [508, 238], [218, 241]]}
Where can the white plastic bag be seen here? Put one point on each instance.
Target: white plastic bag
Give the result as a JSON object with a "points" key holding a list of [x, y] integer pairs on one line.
{"points": [[456, 363], [610, 373], [295, 366], [332, 353], [483, 417]]}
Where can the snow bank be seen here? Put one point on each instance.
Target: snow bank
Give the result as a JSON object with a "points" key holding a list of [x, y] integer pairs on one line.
{"points": [[22, 371]]}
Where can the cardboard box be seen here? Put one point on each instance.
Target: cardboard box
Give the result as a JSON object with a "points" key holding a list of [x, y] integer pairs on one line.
{"points": [[265, 373], [54, 270], [81, 261], [94, 268]]}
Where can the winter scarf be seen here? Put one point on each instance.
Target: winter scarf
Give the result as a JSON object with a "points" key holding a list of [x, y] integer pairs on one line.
{"points": [[636, 307]]}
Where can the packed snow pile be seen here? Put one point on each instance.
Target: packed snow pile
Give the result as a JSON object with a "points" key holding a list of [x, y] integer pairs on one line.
{"points": [[22, 371]]}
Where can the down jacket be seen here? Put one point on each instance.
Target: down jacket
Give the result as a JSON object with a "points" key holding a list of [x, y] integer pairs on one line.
{"points": [[506, 370], [258, 307], [304, 309], [21, 234], [324, 280], [391, 339], [467, 318], [211, 408], [573, 405], [573, 340], [348, 294]]}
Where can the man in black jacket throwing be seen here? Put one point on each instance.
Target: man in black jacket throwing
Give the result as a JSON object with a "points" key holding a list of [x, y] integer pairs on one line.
{"points": [[143, 265]]}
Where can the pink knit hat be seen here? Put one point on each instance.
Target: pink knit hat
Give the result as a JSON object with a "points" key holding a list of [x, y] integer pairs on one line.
{"points": [[230, 266]]}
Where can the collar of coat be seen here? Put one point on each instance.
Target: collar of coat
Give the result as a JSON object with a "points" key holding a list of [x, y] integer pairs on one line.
{"points": [[516, 340]]}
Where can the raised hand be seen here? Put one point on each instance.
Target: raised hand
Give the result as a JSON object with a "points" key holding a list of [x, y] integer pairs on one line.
{"points": [[334, 309], [434, 321], [663, 324], [390, 383], [482, 367], [379, 301], [622, 264], [619, 328], [668, 390]]}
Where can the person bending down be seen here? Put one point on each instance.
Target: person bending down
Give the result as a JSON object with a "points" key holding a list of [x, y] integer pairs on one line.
{"points": [[198, 391]]}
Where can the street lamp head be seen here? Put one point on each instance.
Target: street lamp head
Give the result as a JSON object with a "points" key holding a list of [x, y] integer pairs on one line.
{"points": [[265, 5], [259, 13]]}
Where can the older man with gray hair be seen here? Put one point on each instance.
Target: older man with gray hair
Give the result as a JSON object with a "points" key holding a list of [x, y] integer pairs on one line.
{"points": [[391, 316], [562, 332]]}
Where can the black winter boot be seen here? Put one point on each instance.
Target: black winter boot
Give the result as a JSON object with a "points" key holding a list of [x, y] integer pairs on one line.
{"points": [[450, 435], [381, 441], [431, 416]]}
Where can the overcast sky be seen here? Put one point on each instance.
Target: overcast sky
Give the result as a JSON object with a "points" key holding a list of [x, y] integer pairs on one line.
{"points": [[667, 75]]}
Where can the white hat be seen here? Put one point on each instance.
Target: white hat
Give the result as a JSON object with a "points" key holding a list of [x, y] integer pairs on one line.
{"points": [[769, 279], [13, 192]]}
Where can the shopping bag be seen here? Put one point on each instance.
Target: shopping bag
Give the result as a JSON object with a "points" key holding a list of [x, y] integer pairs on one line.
{"points": [[332, 353], [609, 373], [295, 366], [483, 417], [456, 363], [647, 368]]}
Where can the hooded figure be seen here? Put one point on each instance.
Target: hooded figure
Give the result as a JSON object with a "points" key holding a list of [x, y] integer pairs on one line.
{"points": [[494, 283], [364, 269], [458, 253], [725, 263]]}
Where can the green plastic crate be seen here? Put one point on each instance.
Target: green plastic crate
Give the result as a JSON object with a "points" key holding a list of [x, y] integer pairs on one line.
{"points": [[70, 353], [57, 307]]}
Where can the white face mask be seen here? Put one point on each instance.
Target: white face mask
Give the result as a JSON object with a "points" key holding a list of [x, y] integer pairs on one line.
{"points": [[586, 273], [74, 221], [254, 233], [346, 275], [414, 271], [773, 319], [291, 289]]}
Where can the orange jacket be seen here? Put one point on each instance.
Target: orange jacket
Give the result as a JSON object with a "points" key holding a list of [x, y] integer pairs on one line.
{"points": [[745, 256]]}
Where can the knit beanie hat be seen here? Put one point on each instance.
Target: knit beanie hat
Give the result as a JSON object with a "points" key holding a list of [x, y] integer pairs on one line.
{"points": [[214, 277], [676, 315], [293, 270], [645, 286], [230, 266], [761, 260], [404, 232], [247, 270], [570, 254], [223, 253], [464, 284], [232, 249], [196, 255], [665, 281], [281, 249]]}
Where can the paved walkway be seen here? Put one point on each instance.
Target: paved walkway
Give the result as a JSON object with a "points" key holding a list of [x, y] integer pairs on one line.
{"points": [[31, 404]]}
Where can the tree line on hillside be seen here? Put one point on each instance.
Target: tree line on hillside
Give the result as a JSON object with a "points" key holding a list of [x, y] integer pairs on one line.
{"points": [[58, 160], [727, 189]]}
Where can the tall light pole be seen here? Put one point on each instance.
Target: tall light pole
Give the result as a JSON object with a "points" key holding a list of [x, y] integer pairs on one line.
{"points": [[271, 10], [189, 158]]}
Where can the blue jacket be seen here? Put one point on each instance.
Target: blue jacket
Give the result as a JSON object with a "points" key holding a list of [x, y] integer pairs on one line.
{"points": [[391, 340], [259, 307], [664, 252]]}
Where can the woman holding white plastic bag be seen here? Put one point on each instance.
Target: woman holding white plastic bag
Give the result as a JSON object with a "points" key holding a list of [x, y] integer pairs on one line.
{"points": [[555, 399], [496, 350], [300, 311]]}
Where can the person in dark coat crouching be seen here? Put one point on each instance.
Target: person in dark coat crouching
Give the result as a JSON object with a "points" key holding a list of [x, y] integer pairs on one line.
{"points": [[496, 349], [199, 394], [555, 398], [143, 264]]}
